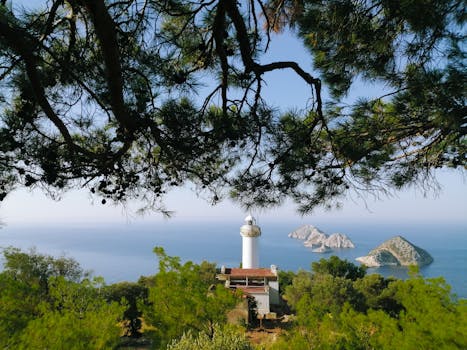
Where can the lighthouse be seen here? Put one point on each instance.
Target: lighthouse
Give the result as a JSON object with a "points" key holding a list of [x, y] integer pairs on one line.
{"points": [[260, 283], [250, 233]]}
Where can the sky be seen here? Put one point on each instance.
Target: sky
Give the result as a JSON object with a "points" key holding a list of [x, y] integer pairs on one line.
{"points": [[448, 204]]}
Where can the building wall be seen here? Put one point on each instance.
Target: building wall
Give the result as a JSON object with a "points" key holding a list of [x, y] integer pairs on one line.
{"points": [[274, 296], [262, 303]]}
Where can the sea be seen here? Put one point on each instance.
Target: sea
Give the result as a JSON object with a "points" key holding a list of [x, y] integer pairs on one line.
{"points": [[124, 252]]}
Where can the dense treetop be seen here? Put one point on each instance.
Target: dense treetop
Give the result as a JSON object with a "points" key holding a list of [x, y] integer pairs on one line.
{"points": [[48, 302], [131, 98]]}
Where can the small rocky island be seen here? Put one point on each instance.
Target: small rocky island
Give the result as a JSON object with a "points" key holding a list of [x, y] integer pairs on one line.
{"points": [[396, 251], [319, 241]]}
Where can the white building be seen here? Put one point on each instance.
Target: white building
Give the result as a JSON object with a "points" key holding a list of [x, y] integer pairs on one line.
{"points": [[260, 283]]}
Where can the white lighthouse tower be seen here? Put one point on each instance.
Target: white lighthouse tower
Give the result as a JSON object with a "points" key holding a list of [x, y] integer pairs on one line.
{"points": [[250, 233]]}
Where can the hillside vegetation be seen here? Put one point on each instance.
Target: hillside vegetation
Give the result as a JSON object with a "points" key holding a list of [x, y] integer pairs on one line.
{"points": [[51, 303]]}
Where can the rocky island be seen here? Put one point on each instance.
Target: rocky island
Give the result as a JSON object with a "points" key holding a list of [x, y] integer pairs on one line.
{"points": [[320, 241], [396, 251], [304, 232], [338, 240]]}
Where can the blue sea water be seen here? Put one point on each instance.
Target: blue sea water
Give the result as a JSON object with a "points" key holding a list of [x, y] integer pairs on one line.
{"points": [[124, 252]]}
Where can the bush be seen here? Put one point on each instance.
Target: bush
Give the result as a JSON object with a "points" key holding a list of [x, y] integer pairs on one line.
{"points": [[225, 338]]}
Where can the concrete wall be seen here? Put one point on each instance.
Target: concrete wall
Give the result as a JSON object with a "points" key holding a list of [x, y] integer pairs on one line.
{"points": [[250, 257], [262, 303], [274, 296]]}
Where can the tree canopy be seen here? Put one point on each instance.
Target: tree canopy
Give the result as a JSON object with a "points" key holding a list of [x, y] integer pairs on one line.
{"points": [[342, 308], [184, 297], [48, 302], [132, 98]]}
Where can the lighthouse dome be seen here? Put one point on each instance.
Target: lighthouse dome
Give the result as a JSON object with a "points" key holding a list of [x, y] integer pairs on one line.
{"points": [[250, 220]]}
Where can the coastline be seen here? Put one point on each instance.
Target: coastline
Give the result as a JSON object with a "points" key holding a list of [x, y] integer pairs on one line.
{"points": [[124, 252]]}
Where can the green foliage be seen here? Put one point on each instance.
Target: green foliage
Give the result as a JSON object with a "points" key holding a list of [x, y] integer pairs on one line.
{"points": [[285, 279], [350, 38], [18, 305], [401, 45], [327, 288], [301, 285], [184, 297], [294, 340], [35, 268], [338, 268], [225, 338], [129, 294], [131, 100], [429, 319], [54, 330], [423, 301], [24, 285], [377, 295], [328, 296], [79, 318], [48, 302], [371, 312]]}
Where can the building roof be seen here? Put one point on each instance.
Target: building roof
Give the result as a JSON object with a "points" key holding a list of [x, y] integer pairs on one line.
{"points": [[259, 272]]}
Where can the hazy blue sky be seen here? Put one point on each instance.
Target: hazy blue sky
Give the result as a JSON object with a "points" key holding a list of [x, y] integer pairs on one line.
{"points": [[449, 205], [286, 91]]}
